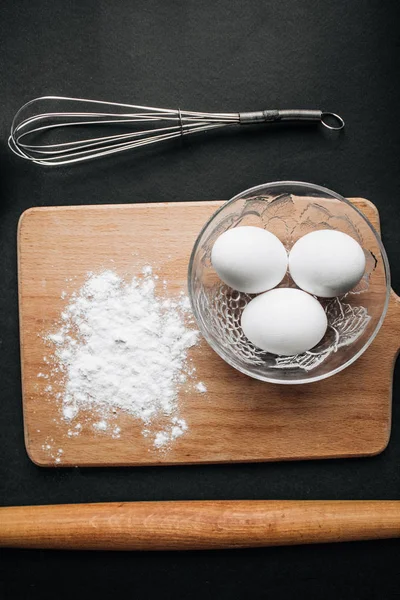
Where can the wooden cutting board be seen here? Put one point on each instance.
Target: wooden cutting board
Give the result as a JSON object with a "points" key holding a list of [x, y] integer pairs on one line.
{"points": [[239, 418]]}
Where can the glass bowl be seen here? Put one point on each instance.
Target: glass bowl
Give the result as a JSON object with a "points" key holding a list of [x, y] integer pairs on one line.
{"points": [[290, 210]]}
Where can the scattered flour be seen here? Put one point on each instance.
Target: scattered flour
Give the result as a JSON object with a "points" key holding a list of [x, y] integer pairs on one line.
{"points": [[120, 347], [147, 270], [100, 426], [200, 387], [53, 452]]}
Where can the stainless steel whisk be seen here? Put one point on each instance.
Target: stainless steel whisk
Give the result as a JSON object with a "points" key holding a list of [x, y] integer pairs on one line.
{"points": [[152, 125]]}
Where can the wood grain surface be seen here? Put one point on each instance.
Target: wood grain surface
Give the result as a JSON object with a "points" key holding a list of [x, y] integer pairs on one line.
{"points": [[196, 525], [238, 419]]}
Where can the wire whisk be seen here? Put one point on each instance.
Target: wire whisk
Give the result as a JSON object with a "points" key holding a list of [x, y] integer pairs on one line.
{"points": [[147, 125]]}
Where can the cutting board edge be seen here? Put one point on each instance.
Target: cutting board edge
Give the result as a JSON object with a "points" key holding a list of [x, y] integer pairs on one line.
{"points": [[74, 207], [22, 337], [320, 456]]}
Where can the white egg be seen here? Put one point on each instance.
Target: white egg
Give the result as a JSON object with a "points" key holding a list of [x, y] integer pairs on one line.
{"points": [[249, 259], [326, 263], [284, 321]]}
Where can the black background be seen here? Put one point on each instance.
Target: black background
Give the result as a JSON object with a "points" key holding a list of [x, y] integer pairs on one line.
{"points": [[338, 55]]}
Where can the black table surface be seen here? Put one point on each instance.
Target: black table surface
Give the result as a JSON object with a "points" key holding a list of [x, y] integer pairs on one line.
{"points": [[339, 55]]}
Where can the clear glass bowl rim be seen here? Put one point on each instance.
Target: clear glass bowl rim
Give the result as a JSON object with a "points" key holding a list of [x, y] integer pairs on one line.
{"points": [[313, 187]]}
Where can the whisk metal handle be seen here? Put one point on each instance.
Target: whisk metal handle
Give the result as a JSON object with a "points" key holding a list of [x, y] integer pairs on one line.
{"points": [[273, 116]]}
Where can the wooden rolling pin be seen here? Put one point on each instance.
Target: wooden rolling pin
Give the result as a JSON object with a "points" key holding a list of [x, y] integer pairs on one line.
{"points": [[196, 525]]}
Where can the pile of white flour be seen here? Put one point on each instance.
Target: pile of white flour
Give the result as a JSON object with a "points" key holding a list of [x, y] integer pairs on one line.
{"points": [[120, 347]]}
